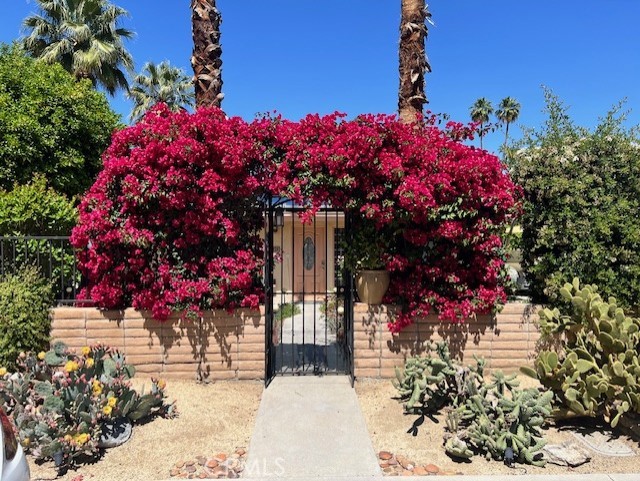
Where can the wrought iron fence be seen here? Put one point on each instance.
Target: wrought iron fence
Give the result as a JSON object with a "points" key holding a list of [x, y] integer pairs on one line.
{"points": [[53, 255]]}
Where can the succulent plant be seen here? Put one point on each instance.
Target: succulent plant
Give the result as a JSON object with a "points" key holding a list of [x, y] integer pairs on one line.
{"points": [[59, 400], [597, 373], [429, 382], [498, 420]]}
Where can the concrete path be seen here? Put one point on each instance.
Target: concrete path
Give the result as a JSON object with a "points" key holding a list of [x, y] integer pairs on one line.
{"points": [[310, 427]]}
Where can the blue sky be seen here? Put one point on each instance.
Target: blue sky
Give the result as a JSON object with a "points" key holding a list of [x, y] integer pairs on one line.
{"points": [[303, 56]]}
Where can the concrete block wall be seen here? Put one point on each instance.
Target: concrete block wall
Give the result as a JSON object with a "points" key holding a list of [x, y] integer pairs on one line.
{"points": [[507, 340], [220, 345], [216, 346]]}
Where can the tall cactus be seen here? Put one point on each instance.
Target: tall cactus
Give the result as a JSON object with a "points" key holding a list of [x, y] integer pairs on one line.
{"points": [[597, 373]]}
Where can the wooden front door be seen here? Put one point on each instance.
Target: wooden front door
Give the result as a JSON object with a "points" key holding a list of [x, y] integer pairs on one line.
{"points": [[310, 263]]}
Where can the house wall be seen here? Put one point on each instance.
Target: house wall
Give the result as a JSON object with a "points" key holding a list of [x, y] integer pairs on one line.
{"points": [[220, 345]]}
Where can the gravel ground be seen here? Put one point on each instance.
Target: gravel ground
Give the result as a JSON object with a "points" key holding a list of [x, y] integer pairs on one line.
{"points": [[214, 418], [391, 431]]}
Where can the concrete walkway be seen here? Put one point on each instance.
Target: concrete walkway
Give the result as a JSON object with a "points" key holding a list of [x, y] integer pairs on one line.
{"points": [[310, 427]]}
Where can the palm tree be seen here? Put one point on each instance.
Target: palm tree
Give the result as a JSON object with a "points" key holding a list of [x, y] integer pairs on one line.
{"points": [[413, 59], [160, 83], [507, 113], [206, 60], [480, 111], [83, 36]]}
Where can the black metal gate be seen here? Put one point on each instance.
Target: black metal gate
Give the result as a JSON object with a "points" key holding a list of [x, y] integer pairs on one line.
{"points": [[309, 294]]}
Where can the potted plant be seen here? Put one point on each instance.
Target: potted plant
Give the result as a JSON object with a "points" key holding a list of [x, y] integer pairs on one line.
{"points": [[364, 252]]}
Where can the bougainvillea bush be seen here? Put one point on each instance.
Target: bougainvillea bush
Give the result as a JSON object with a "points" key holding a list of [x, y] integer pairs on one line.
{"points": [[172, 222], [442, 205]]}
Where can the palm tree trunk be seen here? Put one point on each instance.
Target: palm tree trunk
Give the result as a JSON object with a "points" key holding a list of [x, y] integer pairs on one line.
{"points": [[506, 137], [206, 60], [413, 59], [481, 133]]}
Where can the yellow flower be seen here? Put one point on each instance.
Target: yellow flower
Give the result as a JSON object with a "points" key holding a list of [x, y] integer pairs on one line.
{"points": [[26, 442], [71, 366], [112, 402], [107, 409], [81, 438], [96, 388], [86, 350], [68, 437], [3, 371], [89, 362], [41, 355], [162, 383]]}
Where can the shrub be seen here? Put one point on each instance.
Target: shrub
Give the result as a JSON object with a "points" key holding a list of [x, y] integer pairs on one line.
{"points": [[597, 372], [33, 209], [500, 422], [582, 198], [25, 299], [61, 401], [50, 124], [493, 419], [173, 220]]}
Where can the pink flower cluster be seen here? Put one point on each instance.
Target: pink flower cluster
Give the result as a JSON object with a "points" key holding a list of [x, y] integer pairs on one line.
{"points": [[173, 220]]}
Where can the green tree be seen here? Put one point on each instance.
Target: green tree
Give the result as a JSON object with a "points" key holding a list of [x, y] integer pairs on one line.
{"points": [[35, 209], [160, 83], [413, 62], [480, 112], [207, 53], [50, 124], [85, 37], [581, 204], [507, 113]]}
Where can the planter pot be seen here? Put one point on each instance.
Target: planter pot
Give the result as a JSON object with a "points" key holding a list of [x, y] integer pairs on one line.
{"points": [[372, 286], [114, 433]]}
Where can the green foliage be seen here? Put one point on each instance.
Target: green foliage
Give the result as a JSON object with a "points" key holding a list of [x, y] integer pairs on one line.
{"points": [[581, 204], [430, 382], [367, 245], [34, 209], [482, 417], [25, 299], [499, 417], [50, 124], [597, 373], [60, 401], [286, 311]]}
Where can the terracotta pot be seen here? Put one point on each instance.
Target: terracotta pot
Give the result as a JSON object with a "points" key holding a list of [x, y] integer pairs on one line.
{"points": [[372, 286]]}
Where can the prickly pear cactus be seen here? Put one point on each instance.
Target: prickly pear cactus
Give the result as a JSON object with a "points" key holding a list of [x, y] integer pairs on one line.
{"points": [[428, 383], [597, 373], [498, 418]]}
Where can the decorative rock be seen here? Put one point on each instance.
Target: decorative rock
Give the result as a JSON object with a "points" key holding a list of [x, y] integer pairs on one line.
{"points": [[432, 469], [385, 455], [241, 451], [190, 468], [114, 433], [565, 454], [179, 464], [211, 463], [201, 460], [406, 464], [388, 470], [420, 471], [191, 462], [384, 464], [407, 472], [220, 457], [174, 472], [392, 462]]}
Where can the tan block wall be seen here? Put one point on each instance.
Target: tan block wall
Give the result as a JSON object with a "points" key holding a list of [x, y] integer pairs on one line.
{"points": [[216, 346], [220, 345], [507, 341]]}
